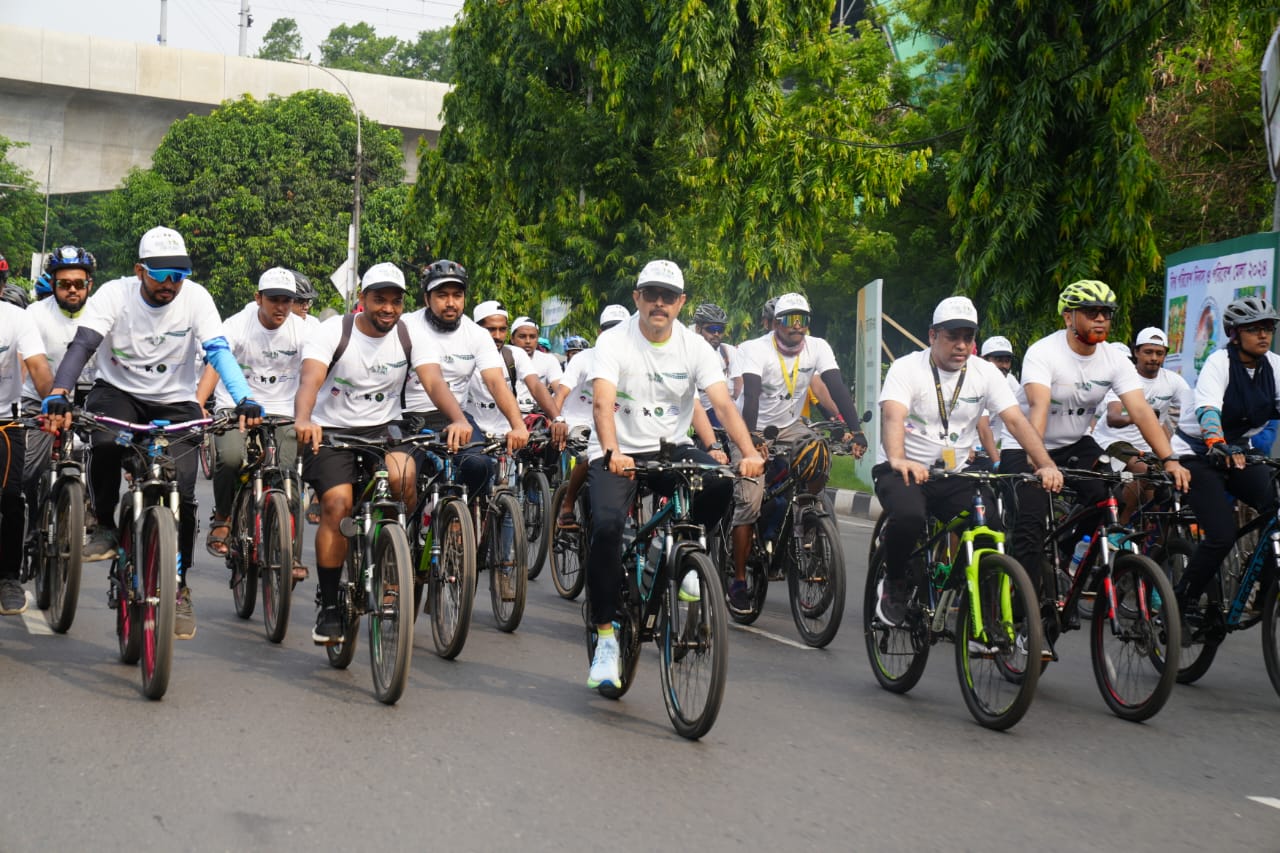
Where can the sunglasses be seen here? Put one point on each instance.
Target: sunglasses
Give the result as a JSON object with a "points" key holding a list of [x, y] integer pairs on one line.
{"points": [[714, 328], [659, 294], [1259, 328], [303, 302], [175, 276], [72, 283], [794, 321], [1094, 313]]}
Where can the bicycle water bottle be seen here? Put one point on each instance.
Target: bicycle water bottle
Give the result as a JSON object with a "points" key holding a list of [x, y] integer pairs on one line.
{"points": [[1077, 556]]}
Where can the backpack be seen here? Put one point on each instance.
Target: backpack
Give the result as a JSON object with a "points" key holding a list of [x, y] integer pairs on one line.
{"points": [[402, 331], [510, 359]]}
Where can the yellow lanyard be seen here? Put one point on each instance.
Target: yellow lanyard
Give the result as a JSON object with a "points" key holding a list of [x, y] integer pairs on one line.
{"points": [[782, 366]]}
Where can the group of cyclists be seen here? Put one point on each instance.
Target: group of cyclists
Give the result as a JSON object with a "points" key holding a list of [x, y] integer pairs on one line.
{"points": [[152, 346]]}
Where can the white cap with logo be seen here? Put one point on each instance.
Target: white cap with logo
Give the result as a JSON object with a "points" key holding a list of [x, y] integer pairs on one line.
{"points": [[664, 274], [488, 309], [955, 312], [278, 281], [385, 274], [614, 314], [790, 303], [996, 345], [1152, 335], [164, 248]]}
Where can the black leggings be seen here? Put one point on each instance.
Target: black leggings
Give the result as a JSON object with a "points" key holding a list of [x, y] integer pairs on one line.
{"points": [[12, 506], [907, 507], [1209, 500]]}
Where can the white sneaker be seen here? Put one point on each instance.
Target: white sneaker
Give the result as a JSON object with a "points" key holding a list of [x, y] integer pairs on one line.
{"points": [[977, 647], [690, 588], [604, 668]]}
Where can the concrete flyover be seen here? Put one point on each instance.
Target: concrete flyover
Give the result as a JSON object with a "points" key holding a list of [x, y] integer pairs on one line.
{"points": [[102, 106]]}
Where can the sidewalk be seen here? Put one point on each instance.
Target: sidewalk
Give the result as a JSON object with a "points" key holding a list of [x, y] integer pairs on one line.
{"points": [[855, 504]]}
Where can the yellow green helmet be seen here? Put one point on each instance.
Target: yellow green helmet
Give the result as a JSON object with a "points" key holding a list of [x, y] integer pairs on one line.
{"points": [[1086, 293]]}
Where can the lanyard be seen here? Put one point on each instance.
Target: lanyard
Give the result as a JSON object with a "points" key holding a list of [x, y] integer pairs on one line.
{"points": [[945, 411], [795, 365]]}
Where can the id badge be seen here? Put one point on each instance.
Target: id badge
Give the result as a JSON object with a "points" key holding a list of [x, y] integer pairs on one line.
{"points": [[949, 458]]}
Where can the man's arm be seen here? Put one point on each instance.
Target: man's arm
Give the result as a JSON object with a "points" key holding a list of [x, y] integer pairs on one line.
{"points": [[752, 464], [458, 432], [41, 376], [204, 389], [310, 378], [750, 399], [1020, 428], [1116, 415], [79, 351], [893, 437], [1038, 399], [988, 438], [1144, 418], [603, 395]]}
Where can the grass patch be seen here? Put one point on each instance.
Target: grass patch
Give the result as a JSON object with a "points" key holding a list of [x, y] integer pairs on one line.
{"points": [[842, 476]]}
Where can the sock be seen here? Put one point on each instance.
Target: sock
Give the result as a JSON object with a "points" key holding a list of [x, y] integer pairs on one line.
{"points": [[604, 633], [329, 579]]}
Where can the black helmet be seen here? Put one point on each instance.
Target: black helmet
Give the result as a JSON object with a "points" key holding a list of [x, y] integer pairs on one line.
{"points": [[766, 313], [1242, 312], [70, 258], [709, 312], [306, 290], [15, 295], [443, 272]]}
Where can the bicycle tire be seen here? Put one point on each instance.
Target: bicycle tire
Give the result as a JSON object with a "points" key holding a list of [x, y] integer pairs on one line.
{"points": [[993, 699], [341, 654], [1149, 629], [62, 562], [128, 612], [158, 574], [452, 586], [693, 647], [41, 556], [538, 520], [1194, 658], [206, 456], [390, 625], [241, 558], [505, 550], [1271, 633], [275, 566], [898, 654], [816, 579], [569, 548]]}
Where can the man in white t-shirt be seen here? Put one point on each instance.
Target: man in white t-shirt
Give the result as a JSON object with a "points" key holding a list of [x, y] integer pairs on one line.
{"points": [[710, 321], [266, 338], [929, 408], [306, 295], [996, 350], [353, 372], [521, 374], [647, 375], [147, 330], [524, 335]]}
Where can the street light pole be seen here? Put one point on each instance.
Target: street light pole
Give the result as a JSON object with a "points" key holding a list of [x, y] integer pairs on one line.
{"points": [[353, 233]]}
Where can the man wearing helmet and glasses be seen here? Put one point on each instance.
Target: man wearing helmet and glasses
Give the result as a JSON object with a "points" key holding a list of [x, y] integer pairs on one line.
{"points": [[710, 321]]}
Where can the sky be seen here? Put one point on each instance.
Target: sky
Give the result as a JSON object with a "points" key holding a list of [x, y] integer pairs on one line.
{"points": [[213, 25]]}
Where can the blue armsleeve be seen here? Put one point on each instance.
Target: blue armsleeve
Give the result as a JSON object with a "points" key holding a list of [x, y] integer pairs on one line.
{"points": [[218, 353], [1262, 441]]}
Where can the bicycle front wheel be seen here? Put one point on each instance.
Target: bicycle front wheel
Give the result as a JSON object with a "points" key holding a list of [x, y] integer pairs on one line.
{"points": [[693, 643], [569, 548], [275, 565], [1135, 623], [998, 629], [452, 586], [898, 653], [815, 580], [158, 575], [390, 624], [124, 578], [1271, 633], [536, 492], [505, 558], [240, 555], [61, 561]]}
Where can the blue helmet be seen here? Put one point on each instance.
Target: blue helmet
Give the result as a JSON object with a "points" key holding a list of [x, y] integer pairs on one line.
{"points": [[575, 343], [44, 286]]}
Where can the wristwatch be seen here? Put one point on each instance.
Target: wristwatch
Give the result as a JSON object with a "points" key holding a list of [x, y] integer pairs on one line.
{"points": [[558, 419], [715, 445]]}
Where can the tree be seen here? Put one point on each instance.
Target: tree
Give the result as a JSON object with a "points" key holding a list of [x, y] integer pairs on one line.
{"points": [[21, 210], [260, 183], [359, 48], [283, 41], [428, 58]]}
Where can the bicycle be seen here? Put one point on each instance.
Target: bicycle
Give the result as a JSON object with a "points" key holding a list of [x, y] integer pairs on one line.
{"points": [[502, 548], [144, 573], [569, 545], [533, 489], [264, 531], [1243, 593], [691, 636], [377, 570], [1135, 631], [57, 541], [206, 457], [972, 594]]}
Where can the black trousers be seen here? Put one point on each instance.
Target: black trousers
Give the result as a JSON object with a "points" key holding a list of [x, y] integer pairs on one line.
{"points": [[1210, 499], [907, 506], [12, 506]]}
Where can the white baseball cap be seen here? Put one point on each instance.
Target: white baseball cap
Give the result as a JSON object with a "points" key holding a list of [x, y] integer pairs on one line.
{"points": [[614, 314], [790, 303], [278, 281], [996, 345], [521, 322], [1152, 335], [663, 274], [955, 312], [488, 309], [164, 248], [385, 274]]}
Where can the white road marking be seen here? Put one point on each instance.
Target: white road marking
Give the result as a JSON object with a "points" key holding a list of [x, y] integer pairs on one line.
{"points": [[34, 617], [769, 635], [1267, 801]]}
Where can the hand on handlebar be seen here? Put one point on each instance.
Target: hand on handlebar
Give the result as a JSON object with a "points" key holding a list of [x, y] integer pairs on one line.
{"points": [[1181, 476], [308, 433], [619, 463], [1226, 455], [57, 409], [1050, 478], [751, 466], [517, 438], [457, 434], [559, 434]]}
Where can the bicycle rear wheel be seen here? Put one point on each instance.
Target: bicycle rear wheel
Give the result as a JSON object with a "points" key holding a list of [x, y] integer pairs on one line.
{"points": [[569, 548], [158, 574], [898, 654], [1129, 636], [276, 566], [41, 554], [1197, 652], [341, 654], [390, 624], [505, 558], [1001, 624], [536, 492], [1271, 633], [815, 579], [240, 554], [624, 628], [124, 579], [452, 588], [206, 455], [693, 645], [61, 560]]}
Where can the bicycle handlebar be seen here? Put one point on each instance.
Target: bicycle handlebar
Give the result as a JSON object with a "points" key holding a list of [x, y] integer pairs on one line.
{"points": [[155, 427]]}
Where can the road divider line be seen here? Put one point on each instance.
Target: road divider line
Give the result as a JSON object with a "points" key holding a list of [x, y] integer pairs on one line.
{"points": [[1267, 801], [771, 636], [33, 617]]}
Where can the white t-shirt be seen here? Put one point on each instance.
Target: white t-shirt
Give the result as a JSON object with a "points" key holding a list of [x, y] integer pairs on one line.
{"points": [[731, 362], [576, 410], [782, 395], [1165, 392], [1077, 383], [657, 384], [19, 340], [480, 403], [997, 422], [150, 352], [910, 382], [549, 370], [1211, 390], [271, 359], [466, 350], [56, 331], [363, 389]]}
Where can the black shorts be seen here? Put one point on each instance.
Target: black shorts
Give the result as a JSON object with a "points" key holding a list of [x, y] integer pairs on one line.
{"points": [[331, 466]]}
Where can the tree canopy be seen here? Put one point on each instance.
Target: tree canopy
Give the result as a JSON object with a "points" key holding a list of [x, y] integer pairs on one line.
{"points": [[282, 41], [21, 211]]}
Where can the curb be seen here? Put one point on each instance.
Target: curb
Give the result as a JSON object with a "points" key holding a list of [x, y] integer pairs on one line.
{"points": [[854, 504]]}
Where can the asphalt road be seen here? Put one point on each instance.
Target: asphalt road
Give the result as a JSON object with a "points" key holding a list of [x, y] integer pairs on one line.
{"points": [[266, 747]]}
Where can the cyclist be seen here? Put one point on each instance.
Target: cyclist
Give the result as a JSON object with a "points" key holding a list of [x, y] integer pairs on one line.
{"points": [[1235, 396], [646, 376], [929, 409], [266, 339], [777, 370], [573, 345], [147, 329], [1064, 377], [43, 286], [522, 378], [15, 295], [709, 320], [306, 294], [524, 334], [353, 373], [998, 351], [464, 349]]}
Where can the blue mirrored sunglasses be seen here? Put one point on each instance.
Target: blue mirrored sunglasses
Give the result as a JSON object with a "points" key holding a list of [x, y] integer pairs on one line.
{"points": [[175, 276], [714, 328]]}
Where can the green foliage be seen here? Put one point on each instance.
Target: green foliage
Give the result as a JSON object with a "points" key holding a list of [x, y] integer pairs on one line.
{"points": [[358, 47], [283, 41], [21, 211]]}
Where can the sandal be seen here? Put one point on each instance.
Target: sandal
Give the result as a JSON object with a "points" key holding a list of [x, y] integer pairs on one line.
{"points": [[217, 545], [567, 521]]}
